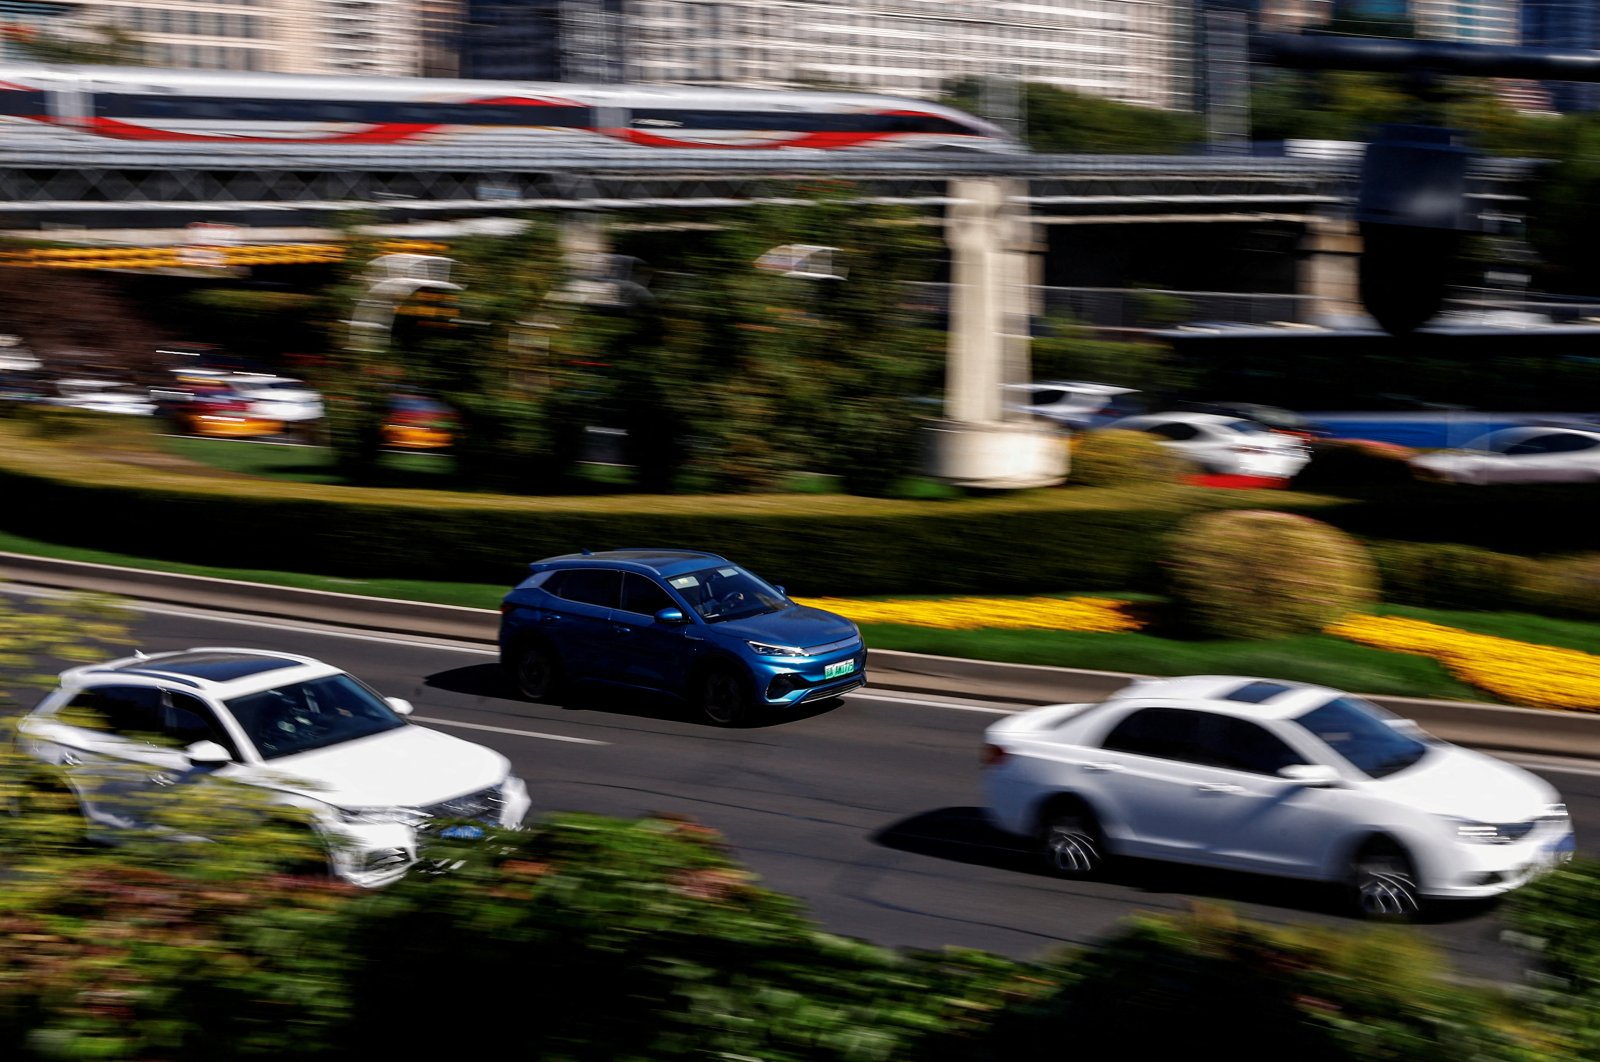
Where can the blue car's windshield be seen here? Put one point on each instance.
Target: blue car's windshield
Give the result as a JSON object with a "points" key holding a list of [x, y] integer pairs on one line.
{"points": [[727, 592], [311, 715]]}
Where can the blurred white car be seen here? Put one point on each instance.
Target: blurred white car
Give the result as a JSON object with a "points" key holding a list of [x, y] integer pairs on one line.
{"points": [[280, 398], [126, 736], [1518, 455], [1229, 446], [1281, 778], [1072, 403], [101, 396]]}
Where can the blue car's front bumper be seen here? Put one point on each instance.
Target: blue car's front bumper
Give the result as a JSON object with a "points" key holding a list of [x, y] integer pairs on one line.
{"points": [[791, 680]]}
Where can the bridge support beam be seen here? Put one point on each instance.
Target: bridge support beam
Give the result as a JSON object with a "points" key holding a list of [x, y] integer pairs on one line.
{"points": [[978, 443], [1330, 252]]}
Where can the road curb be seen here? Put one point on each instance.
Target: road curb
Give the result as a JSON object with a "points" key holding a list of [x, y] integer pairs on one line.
{"points": [[1551, 733]]}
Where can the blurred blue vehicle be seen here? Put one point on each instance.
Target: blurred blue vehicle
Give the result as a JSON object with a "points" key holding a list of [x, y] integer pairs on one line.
{"points": [[688, 624]]}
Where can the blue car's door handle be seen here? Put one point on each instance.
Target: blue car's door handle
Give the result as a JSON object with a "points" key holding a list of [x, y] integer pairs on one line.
{"points": [[548, 618]]}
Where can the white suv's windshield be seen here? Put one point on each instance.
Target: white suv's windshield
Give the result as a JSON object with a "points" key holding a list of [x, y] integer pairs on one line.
{"points": [[311, 715], [727, 592], [1357, 731]]}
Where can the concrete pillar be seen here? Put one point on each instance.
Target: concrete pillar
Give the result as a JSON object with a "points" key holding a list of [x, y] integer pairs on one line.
{"points": [[979, 443], [1330, 257]]}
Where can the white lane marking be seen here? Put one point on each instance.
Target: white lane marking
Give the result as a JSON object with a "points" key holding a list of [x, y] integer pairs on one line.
{"points": [[952, 705], [506, 730], [1549, 765]]}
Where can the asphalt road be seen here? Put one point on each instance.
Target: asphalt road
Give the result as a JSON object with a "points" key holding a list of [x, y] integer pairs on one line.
{"points": [[868, 813]]}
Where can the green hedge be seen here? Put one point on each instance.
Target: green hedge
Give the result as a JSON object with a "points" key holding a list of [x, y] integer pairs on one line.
{"points": [[1054, 540]]}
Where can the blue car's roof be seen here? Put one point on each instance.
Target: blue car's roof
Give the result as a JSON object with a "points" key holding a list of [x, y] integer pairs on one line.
{"points": [[665, 562]]}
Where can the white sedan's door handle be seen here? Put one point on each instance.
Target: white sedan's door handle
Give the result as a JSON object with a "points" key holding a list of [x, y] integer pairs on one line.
{"points": [[1220, 787], [1108, 768], [69, 759], [161, 778]]}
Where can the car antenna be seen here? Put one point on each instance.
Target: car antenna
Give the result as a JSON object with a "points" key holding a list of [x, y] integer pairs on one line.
{"points": [[138, 654], [587, 552]]}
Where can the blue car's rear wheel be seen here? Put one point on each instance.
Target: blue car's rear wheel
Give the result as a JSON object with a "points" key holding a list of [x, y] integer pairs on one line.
{"points": [[724, 696], [537, 673]]}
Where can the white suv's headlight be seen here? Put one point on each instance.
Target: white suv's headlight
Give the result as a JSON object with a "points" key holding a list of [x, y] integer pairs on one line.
{"points": [[764, 649], [380, 816]]}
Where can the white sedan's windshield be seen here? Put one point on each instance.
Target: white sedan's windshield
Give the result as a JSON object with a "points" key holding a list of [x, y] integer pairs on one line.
{"points": [[1358, 732], [311, 715]]}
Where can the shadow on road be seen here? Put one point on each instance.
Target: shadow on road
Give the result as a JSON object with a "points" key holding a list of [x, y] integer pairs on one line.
{"points": [[963, 835], [488, 681]]}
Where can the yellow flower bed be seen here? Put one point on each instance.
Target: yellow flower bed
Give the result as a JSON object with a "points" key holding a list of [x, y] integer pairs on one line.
{"points": [[1539, 676], [1094, 614]]}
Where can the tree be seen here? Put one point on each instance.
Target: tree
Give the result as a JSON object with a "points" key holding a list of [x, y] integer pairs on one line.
{"points": [[102, 44], [1062, 121]]}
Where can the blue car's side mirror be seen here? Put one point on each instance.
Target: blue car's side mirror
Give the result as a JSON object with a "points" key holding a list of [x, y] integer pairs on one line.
{"points": [[671, 615]]}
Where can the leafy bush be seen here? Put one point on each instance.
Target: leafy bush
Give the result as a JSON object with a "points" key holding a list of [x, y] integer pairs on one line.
{"points": [[1354, 467], [1121, 458], [1160, 986], [1256, 574]]}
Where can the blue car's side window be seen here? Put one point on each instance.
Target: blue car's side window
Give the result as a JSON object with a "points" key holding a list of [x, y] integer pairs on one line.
{"points": [[642, 596], [590, 586]]}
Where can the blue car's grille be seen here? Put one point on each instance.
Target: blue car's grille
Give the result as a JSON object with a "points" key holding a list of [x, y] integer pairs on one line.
{"points": [[833, 647]]}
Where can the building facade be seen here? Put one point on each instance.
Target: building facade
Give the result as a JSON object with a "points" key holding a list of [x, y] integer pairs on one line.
{"points": [[1137, 51], [378, 37]]}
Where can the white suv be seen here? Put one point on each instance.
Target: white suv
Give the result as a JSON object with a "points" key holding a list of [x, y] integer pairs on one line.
{"points": [[127, 735], [1275, 777]]}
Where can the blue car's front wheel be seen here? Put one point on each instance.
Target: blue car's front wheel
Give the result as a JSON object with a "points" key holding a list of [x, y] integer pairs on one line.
{"points": [[724, 696]]}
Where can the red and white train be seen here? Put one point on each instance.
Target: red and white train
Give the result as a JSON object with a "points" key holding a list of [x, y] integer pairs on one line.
{"points": [[43, 104]]}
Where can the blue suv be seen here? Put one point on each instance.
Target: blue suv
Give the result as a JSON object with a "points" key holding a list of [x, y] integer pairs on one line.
{"points": [[693, 625]]}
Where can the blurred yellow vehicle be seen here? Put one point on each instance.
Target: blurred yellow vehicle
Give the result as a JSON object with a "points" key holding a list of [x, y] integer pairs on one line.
{"points": [[418, 423], [223, 415]]}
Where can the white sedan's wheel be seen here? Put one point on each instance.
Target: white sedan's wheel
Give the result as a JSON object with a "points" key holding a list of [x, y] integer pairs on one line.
{"points": [[1072, 844], [1385, 885]]}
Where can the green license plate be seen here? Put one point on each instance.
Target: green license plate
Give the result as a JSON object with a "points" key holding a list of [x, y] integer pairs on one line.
{"points": [[843, 667]]}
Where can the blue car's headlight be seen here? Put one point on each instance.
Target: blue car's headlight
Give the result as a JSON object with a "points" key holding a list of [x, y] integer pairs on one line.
{"points": [[765, 649]]}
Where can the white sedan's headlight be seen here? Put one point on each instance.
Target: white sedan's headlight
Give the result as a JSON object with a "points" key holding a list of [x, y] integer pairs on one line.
{"points": [[380, 816], [1473, 832]]}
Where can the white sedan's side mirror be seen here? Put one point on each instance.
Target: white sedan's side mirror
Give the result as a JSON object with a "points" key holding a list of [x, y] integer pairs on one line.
{"points": [[207, 754], [400, 705], [1311, 775]]}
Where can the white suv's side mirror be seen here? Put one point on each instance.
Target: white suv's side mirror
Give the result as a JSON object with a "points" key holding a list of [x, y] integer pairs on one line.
{"points": [[400, 705], [207, 754], [1311, 775]]}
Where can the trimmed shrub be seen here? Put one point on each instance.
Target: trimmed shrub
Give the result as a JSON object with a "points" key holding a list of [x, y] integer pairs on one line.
{"points": [[1352, 468], [1443, 575], [1558, 586], [155, 505], [1120, 458], [1257, 574]]}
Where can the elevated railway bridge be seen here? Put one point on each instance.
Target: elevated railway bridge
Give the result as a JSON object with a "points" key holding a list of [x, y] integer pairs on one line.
{"points": [[134, 206]]}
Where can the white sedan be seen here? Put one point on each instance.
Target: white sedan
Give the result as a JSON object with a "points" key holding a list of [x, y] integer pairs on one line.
{"points": [[280, 398], [1227, 446], [1518, 455], [122, 738], [1275, 777]]}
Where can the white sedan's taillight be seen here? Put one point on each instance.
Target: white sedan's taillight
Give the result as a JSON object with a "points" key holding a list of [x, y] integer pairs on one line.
{"points": [[993, 755]]}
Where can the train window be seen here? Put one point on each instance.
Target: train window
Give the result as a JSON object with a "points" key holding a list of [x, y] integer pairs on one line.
{"points": [[22, 103]]}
